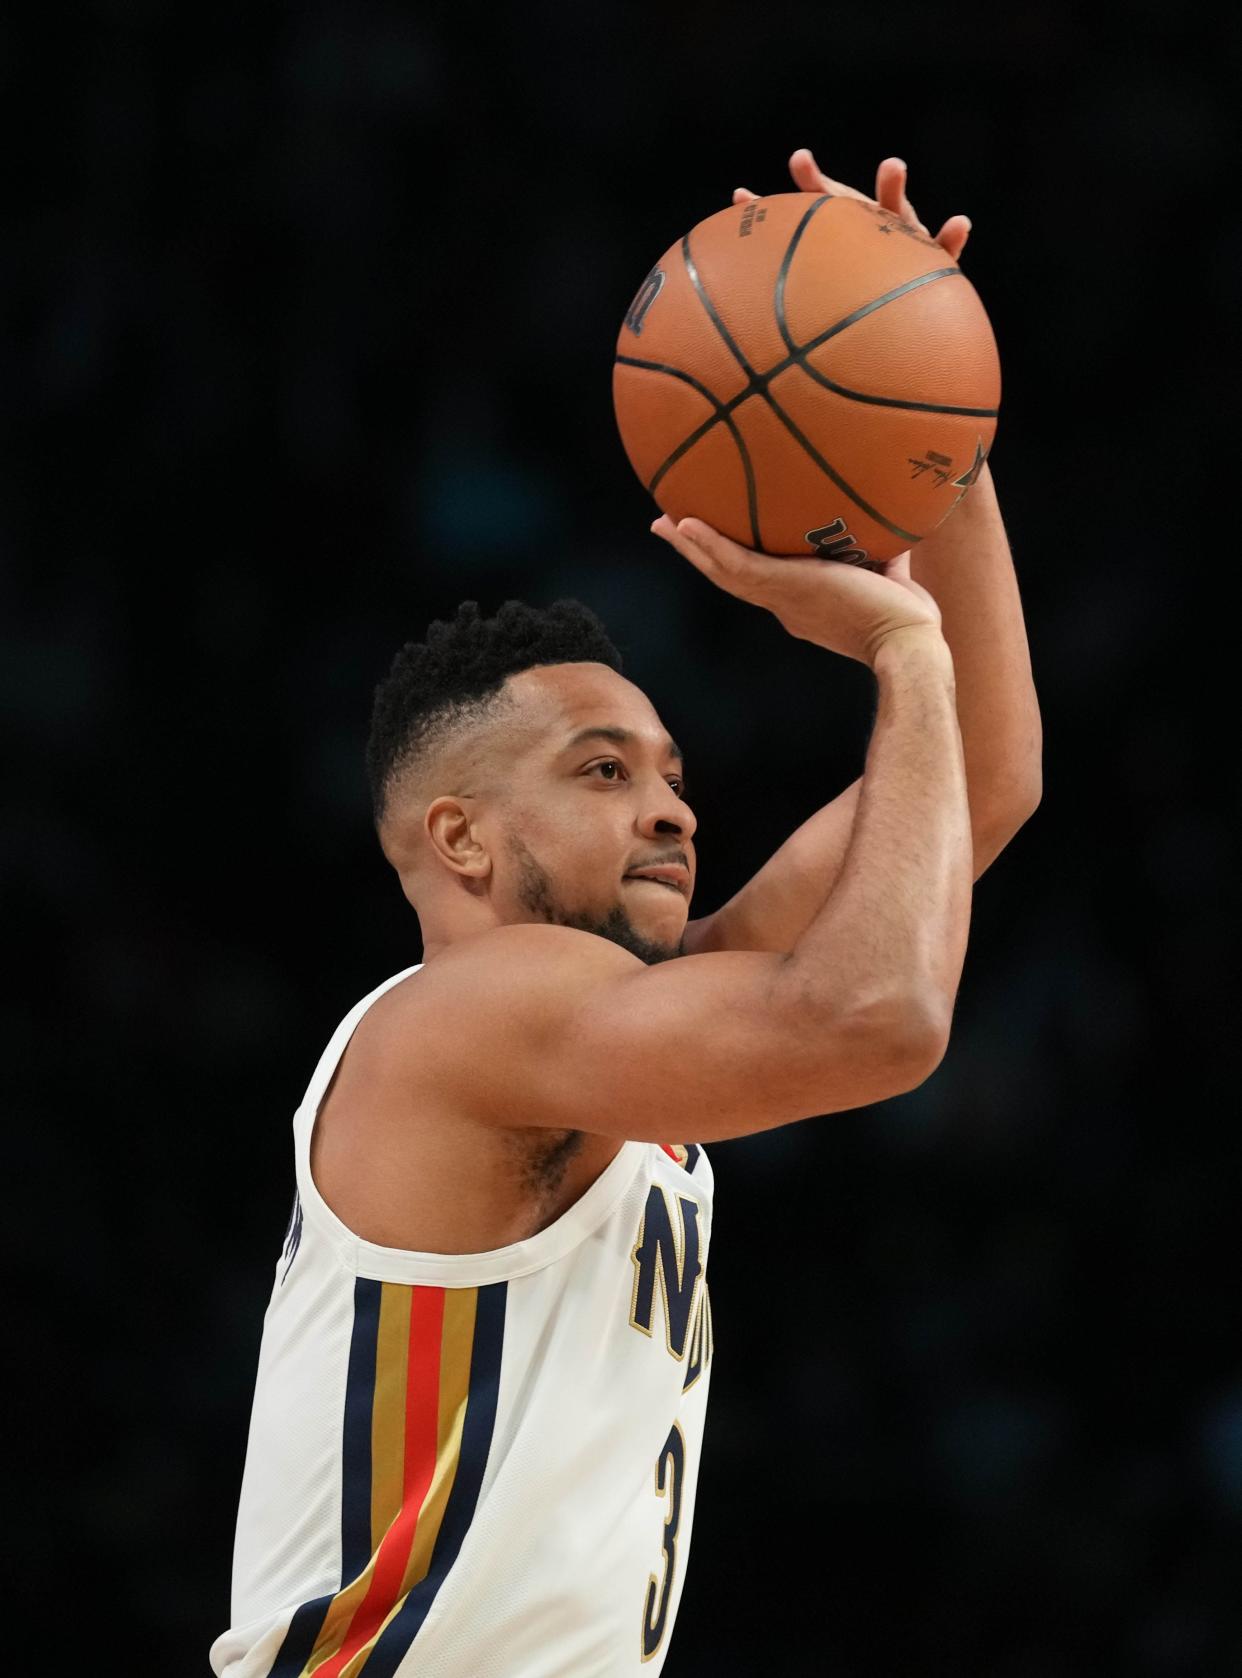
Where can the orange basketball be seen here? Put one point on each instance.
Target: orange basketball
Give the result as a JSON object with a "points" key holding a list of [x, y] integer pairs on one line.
{"points": [[808, 374]]}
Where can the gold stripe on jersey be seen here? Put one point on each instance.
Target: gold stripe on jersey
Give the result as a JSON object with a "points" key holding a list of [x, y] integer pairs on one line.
{"points": [[392, 1355]]}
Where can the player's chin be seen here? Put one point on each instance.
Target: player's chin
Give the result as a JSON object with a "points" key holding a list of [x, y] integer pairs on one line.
{"points": [[655, 903]]}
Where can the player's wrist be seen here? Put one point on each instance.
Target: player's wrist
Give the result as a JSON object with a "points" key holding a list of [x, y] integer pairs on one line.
{"points": [[910, 647]]}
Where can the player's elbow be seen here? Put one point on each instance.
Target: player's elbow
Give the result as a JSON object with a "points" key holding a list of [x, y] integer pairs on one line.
{"points": [[896, 1045], [1023, 802], [994, 829], [918, 1042], [924, 1047], [1006, 799]]}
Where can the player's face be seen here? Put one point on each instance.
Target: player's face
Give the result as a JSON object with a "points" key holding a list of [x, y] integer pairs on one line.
{"points": [[598, 834]]}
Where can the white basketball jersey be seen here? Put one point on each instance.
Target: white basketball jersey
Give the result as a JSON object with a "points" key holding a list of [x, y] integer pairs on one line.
{"points": [[476, 1465]]}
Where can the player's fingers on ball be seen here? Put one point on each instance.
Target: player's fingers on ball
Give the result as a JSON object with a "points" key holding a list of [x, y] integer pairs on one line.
{"points": [[678, 536], [718, 550], [743, 194], [698, 557], [805, 171], [899, 567], [896, 179], [910, 215], [954, 234], [889, 183], [810, 177]]}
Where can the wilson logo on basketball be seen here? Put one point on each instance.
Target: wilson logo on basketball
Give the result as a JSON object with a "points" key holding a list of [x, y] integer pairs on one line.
{"points": [[835, 542], [650, 289]]}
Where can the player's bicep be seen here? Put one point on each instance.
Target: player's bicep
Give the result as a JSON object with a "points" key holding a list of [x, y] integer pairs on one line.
{"points": [[569, 1031], [691, 1046]]}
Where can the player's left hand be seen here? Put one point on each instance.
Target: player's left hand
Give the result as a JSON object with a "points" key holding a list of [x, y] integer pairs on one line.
{"points": [[890, 194]]}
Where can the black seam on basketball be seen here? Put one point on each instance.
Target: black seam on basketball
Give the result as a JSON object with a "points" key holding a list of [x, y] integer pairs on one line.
{"points": [[758, 389], [707, 303], [850, 490], [676, 373], [759, 381], [798, 356], [892, 401], [752, 493], [866, 309], [906, 535], [688, 443], [783, 272], [687, 378], [752, 502]]}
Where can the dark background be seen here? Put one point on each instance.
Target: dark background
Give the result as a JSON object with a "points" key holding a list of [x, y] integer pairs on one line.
{"points": [[310, 322]]}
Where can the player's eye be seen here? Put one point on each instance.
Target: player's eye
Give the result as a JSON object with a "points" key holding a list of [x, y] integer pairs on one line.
{"points": [[613, 770]]}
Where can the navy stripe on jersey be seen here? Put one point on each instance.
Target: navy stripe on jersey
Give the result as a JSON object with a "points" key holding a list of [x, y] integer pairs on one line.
{"points": [[476, 1442], [692, 1155], [356, 1435], [293, 1237], [300, 1638]]}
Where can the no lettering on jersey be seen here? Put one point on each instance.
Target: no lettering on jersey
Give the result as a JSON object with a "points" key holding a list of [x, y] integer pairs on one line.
{"points": [[476, 1465]]}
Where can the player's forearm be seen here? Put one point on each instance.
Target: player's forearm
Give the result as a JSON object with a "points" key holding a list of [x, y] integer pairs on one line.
{"points": [[891, 937], [776, 905], [966, 565]]}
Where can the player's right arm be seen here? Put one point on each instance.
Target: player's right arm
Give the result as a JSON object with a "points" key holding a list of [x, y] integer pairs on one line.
{"points": [[542, 1025]]}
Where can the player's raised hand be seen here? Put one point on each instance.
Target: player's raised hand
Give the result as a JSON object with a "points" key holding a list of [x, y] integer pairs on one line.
{"points": [[890, 194], [842, 607]]}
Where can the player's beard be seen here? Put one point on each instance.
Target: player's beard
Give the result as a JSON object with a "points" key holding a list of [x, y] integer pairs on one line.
{"points": [[536, 894]]}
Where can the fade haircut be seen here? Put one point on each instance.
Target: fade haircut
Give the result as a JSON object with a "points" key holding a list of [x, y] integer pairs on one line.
{"points": [[456, 673]]}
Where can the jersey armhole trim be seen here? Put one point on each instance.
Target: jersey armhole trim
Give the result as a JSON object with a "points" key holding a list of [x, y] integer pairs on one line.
{"points": [[462, 1270]]}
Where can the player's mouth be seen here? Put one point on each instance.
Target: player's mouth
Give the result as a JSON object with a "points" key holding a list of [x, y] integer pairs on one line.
{"points": [[667, 874]]}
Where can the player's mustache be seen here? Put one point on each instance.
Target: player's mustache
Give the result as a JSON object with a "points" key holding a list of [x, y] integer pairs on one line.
{"points": [[676, 857]]}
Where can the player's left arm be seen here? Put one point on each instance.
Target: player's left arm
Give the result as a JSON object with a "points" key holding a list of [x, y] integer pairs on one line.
{"points": [[966, 565]]}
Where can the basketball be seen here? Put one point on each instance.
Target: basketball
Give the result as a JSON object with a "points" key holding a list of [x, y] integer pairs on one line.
{"points": [[809, 375]]}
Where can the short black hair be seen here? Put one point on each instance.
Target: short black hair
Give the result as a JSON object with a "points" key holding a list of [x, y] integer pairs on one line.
{"points": [[462, 664]]}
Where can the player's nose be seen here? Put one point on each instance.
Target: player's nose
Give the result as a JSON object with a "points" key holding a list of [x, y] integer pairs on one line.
{"points": [[666, 814]]}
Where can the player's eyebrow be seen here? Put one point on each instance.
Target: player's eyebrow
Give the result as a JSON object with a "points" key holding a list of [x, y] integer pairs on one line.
{"points": [[623, 737]]}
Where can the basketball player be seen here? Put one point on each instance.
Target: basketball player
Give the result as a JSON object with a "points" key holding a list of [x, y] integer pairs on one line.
{"points": [[481, 1389]]}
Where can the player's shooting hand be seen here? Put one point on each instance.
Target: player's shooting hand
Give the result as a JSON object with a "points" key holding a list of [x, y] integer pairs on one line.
{"points": [[890, 194], [842, 607]]}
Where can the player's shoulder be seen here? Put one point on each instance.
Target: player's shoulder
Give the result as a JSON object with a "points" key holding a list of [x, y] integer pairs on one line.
{"points": [[505, 971]]}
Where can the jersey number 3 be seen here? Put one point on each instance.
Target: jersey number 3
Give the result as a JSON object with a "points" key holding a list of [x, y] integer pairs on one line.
{"points": [[669, 1477]]}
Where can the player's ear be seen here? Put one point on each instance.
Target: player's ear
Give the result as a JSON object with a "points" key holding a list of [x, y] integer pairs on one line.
{"points": [[451, 831]]}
